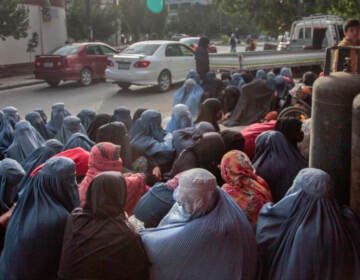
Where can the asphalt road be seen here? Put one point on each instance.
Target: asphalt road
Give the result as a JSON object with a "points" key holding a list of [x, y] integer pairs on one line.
{"points": [[101, 97]]}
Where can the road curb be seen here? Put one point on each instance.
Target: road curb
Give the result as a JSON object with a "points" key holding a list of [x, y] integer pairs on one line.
{"points": [[25, 84]]}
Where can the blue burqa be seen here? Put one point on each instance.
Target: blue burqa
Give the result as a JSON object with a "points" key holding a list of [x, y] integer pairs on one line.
{"points": [[193, 75], [218, 245], [70, 126], [34, 235], [86, 116], [11, 173], [189, 94], [150, 139], [237, 80], [6, 133], [180, 118], [26, 140], [277, 161], [79, 139], [11, 113], [307, 234], [58, 113], [39, 156], [122, 114], [34, 118]]}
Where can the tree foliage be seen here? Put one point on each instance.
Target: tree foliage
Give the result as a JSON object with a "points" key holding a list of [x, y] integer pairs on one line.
{"points": [[14, 20], [199, 19], [137, 19], [101, 21], [270, 15]]}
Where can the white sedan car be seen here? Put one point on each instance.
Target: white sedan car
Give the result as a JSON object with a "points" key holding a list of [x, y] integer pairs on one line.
{"points": [[158, 63]]}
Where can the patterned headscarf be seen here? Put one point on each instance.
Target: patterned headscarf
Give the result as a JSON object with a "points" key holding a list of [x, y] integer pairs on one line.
{"points": [[249, 191], [104, 156]]}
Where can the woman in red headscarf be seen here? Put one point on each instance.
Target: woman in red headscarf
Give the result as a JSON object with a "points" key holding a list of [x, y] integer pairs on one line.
{"points": [[249, 190], [105, 156]]}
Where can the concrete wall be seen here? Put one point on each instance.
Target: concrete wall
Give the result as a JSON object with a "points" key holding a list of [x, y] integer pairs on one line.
{"points": [[52, 34]]}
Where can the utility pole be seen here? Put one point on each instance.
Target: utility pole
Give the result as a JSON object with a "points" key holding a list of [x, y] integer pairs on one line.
{"points": [[88, 17]]}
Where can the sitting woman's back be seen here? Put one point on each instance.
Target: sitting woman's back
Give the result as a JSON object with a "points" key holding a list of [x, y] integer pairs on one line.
{"points": [[99, 242]]}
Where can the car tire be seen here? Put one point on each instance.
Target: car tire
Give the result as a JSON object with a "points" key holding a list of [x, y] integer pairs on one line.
{"points": [[164, 81], [53, 83], [124, 86], [86, 77]]}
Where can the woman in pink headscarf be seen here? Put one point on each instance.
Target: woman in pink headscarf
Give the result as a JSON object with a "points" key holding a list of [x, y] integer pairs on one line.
{"points": [[105, 156]]}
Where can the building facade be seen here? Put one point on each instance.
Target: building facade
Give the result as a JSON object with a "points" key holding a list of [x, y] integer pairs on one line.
{"points": [[50, 28]]}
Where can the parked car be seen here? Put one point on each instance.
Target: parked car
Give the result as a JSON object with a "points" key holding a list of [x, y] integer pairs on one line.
{"points": [[81, 62], [178, 36], [193, 42], [158, 63]]}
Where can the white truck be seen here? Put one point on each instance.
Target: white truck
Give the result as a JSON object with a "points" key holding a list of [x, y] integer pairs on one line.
{"points": [[314, 32], [304, 47]]}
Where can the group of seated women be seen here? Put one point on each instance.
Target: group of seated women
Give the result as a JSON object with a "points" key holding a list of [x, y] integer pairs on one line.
{"points": [[99, 196]]}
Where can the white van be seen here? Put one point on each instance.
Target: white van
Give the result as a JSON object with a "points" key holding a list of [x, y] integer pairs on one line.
{"points": [[314, 32]]}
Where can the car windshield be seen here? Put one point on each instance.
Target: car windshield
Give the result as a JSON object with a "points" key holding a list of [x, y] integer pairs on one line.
{"points": [[146, 49], [66, 50]]}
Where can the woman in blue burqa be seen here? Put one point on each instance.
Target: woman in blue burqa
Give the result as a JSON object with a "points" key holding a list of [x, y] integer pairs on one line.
{"points": [[79, 140], [12, 114], [58, 113], [11, 173], [149, 139], [308, 234], [122, 114], [35, 232], [278, 161], [180, 118], [6, 134], [205, 235], [189, 94], [34, 118], [26, 140], [50, 148], [86, 116], [70, 126]]}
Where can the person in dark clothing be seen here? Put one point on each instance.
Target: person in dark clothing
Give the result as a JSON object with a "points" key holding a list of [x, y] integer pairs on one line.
{"points": [[233, 140], [202, 57], [205, 153], [99, 242], [291, 128], [99, 120], [210, 111]]}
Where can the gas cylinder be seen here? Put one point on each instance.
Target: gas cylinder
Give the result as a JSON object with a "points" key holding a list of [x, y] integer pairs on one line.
{"points": [[330, 145], [355, 157]]}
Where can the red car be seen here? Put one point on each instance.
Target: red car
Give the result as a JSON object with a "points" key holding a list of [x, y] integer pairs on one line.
{"points": [[192, 42], [81, 62]]}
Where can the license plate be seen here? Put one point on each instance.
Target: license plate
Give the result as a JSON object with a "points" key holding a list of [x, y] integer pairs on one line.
{"points": [[48, 64], [124, 65]]}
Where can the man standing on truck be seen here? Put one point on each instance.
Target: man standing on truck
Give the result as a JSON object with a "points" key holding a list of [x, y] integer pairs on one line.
{"points": [[202, 58], [233, 43], [351, 38]]}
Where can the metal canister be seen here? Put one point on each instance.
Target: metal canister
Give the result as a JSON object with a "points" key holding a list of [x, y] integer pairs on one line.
{"points": [[330, 146]]}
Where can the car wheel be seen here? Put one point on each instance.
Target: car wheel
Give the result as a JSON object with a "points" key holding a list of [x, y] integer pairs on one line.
{"points": [[53, 83], [124, 86], [164, 81], [86, 77]]}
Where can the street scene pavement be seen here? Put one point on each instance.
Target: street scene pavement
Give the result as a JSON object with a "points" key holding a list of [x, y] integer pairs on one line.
{"points": [[101, 97]]}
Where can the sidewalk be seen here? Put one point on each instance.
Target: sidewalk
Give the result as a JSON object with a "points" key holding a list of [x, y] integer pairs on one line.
{"points": [[18, 81]]}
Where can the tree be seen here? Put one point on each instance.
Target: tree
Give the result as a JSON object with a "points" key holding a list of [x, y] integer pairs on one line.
{"points": [[137, 19], [269, 15], [345, 8], [199, 19], [88, 20], [14, 19]]}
